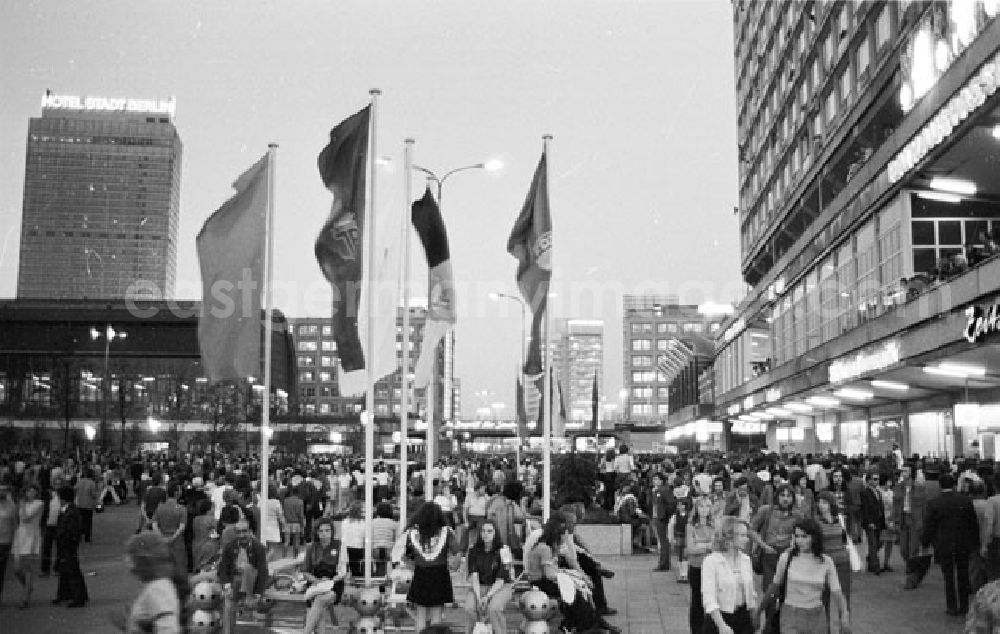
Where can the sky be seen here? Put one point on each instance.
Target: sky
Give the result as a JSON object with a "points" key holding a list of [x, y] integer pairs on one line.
{"points": [[638, 96]]}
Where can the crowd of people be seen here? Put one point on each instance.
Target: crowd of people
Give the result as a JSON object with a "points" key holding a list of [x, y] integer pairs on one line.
{"points": [[722, 521]]}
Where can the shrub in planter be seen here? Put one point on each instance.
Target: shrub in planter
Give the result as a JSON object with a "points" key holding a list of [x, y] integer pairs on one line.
{"points": [[574, 479]]}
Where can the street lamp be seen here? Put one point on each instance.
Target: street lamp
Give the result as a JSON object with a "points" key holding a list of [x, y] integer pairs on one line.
{"points": [[490, 166], [497, 296], [109, 335]]}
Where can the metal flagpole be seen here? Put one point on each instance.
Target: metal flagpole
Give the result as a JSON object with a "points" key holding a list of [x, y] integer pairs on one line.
{"points": [[404, 371], [368, 416], [430, 439], [265, 415], [547, 398]]}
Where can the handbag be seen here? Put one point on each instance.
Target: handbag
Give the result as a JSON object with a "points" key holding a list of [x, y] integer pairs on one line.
{"points": [[852, 549], [774, 602]]}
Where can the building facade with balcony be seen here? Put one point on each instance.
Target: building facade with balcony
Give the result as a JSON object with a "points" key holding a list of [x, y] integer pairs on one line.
{"points": [[869, 218]]}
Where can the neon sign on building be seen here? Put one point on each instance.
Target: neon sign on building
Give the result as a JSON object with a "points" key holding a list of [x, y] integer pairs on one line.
{"points": [[109, 104]]}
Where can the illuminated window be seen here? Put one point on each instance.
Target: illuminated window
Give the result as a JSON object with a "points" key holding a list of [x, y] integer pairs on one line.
{"points": [[883, 28], [863, 57]]}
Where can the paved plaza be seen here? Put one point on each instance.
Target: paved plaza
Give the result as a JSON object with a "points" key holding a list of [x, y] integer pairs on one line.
{"points": [[648, 602]]}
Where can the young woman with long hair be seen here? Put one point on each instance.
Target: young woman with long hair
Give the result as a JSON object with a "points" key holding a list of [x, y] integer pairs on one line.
{"points": [[326, 558], [541, 569], [490, 579], [834, 540], [429, 541], [772, 527], [807, 574], [727, 583], [699, 536]]}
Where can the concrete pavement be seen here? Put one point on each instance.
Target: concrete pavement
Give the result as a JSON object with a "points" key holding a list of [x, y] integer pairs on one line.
{"points": [[648, 602]]}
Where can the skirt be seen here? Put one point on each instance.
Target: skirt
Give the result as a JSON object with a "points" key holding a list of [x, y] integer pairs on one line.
{"points": [[431, 587]]}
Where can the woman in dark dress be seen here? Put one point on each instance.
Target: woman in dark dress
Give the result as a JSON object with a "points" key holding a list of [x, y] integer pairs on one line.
{"points": [[429, 541], [326, 558]]}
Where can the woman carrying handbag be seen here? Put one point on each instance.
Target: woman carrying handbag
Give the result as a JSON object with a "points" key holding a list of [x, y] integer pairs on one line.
{"points": [[803, 575]]}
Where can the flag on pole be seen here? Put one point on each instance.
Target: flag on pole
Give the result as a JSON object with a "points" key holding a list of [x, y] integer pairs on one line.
{"points": [[339, 248], [343, 164], [594, 405], [559, 422], [522, 413], [441, 315], [231, 254], [530, 242], [555, 395]]}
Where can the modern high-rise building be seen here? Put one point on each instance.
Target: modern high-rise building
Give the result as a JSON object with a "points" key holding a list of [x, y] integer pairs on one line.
{"points": [[869, 216], [650, 323], [101, 200], [577, 355]]}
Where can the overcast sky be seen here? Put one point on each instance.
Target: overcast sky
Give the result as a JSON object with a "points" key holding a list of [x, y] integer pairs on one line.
{"points": [[638, 96]]}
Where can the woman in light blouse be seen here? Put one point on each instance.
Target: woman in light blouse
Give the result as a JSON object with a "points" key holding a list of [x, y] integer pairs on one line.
{"points": [[699, 536], [808, 574], [727, 589]]}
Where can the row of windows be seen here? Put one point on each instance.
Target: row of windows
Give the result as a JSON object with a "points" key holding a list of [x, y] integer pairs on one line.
{"points": [[647, 392], [646, 345], [855, 283], [646, 409], [308, 376], [645, 327], [314, 346], [648, 376], [783, 153]]}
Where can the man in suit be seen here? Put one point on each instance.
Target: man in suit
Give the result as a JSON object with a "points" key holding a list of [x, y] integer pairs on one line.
{"points": [[872, 520], [69, 529], [664, 505], [950, 524], [909, 505]]}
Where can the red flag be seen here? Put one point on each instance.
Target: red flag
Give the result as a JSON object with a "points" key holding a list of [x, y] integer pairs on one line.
{"points": [[530, 242]]}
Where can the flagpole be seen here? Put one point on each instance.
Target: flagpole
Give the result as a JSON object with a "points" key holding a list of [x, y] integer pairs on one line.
{"points": [[547, 424], [265, 414], [368, 421], [404, 401], [430, 439]]}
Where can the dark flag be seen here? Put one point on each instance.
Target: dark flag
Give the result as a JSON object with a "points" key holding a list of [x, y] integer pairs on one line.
{"points": [[594, 424], [522, 414], [530, 242], [441, 315], [343, 165]]}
